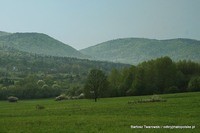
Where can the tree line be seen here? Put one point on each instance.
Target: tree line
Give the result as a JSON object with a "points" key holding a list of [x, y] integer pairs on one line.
{"points": [[157, 76]]}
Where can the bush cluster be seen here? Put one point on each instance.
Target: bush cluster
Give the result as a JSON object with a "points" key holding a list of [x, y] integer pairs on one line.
{"points": [[12, 99]]}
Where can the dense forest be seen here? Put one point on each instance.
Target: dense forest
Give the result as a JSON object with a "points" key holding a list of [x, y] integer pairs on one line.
{"points": [[38, 43], [28, 75], [158, 76], [136, 50]]}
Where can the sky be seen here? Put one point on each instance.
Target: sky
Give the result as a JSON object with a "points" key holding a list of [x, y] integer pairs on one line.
{"points": [[84, 23]]}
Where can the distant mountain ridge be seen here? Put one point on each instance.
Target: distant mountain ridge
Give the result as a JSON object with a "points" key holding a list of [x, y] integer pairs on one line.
{"points": [[2, 33], [38, 43], [136, 50], [124, 50]]}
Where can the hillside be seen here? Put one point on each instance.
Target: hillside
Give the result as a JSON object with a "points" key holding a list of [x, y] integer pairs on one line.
{"points": [[15, 62], [38, 43], [136, 50], [21, 71], [2, 33]]}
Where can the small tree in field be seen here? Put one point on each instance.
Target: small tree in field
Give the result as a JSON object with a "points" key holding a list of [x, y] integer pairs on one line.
{"points": [[96, 84]]}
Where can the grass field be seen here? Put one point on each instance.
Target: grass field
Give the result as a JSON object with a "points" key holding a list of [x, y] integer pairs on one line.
{"points": [[107, 115]]}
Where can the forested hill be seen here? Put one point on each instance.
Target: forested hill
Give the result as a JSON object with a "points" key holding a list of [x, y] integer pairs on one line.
{"points": [[21, 71], [137, 50], [2, 33], [14, 63], [38, 43]]}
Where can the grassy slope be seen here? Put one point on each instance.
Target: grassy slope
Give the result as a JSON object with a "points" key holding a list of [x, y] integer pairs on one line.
{"points": [[107, 115], [137, 50]]}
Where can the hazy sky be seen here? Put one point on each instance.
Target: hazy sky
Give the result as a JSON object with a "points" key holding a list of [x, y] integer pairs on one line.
{"points": [[82, 23]]}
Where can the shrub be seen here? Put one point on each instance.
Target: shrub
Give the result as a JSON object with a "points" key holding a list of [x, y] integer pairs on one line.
{"points": [[81, 96], [40, 83], [172, 89], [39, 107], [154, 98], [45, 86], [61, 97], [12, 99], [55, 86], [74, 97], [3, 88], [194, 84]]}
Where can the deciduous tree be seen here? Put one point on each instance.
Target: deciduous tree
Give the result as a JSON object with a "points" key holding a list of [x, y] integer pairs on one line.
{"points": [[96, 84]]}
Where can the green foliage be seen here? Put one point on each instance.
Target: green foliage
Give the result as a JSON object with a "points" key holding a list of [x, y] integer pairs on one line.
{"points": [[194, 84], [28, 88], [24, 75], [96, 84], [6, 81], [40, 83], [115, 80], [137, 50], [55, 86], [74, 90], [154, 77], [27, 75], [39, 107], [13, 61], [38, 43], [2, 33], [172, 89]]}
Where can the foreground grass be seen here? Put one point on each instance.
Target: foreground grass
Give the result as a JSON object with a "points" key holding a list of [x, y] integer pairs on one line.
{"points": [[107, 115]]}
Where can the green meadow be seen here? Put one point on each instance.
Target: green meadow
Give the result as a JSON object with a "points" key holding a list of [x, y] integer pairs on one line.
{"points": [[107, 115]]}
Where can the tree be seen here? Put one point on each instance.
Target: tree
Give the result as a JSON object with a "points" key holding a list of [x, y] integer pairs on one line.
{"points": [[194, 84], [138, 84], [96, 84], [115, 81], [165, 73]]}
